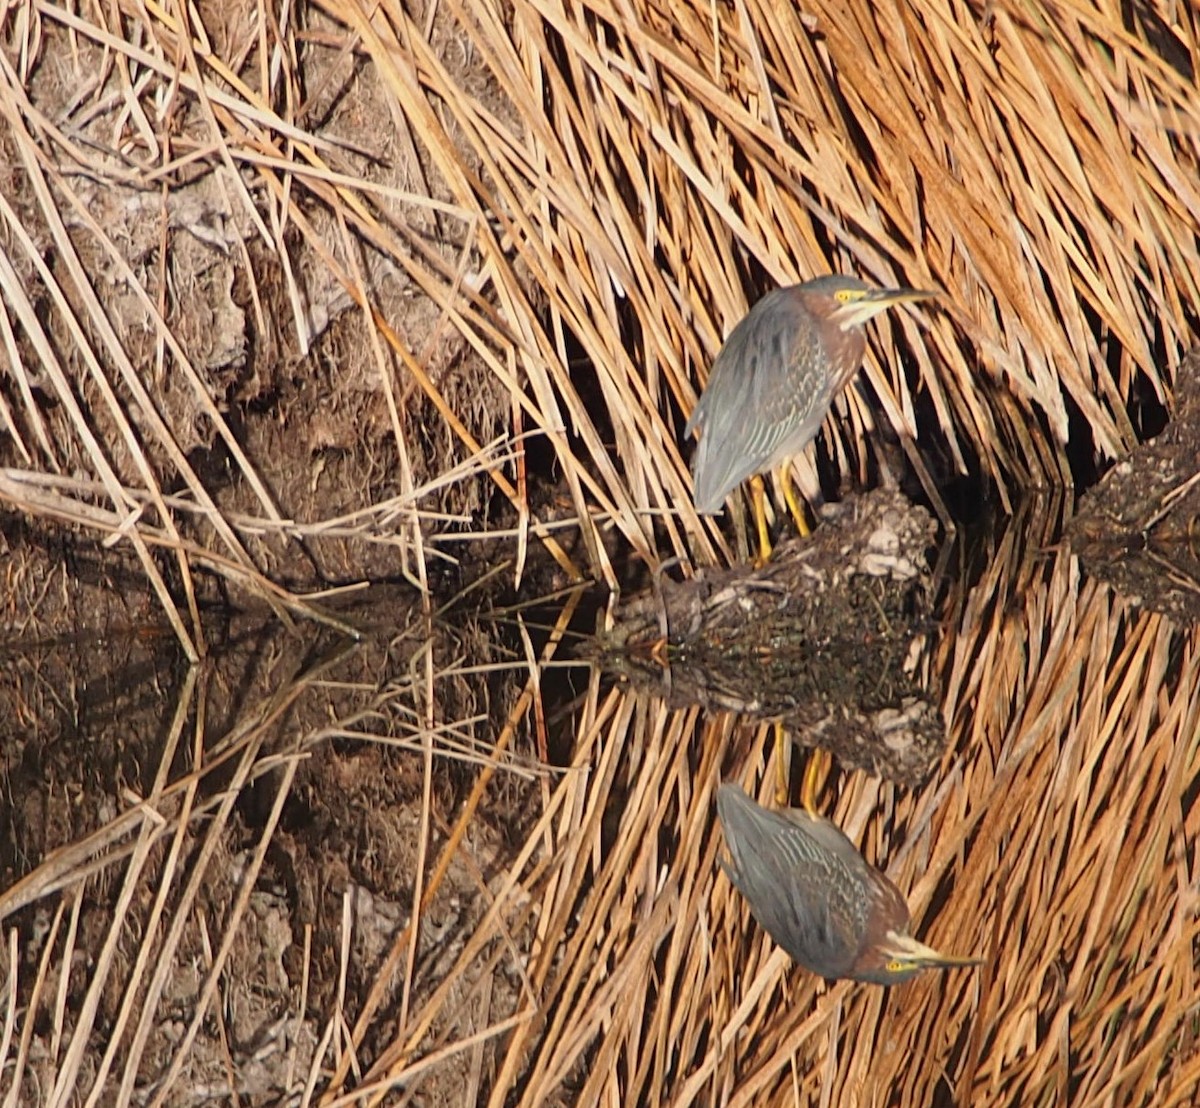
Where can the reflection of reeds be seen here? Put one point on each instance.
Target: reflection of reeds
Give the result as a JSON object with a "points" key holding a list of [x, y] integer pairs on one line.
{"points": [[163, 850], [1055, 843]]}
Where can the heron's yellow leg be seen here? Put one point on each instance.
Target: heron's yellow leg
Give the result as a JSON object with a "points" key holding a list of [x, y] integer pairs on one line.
{"points": [[782, 767], [808, 790], [795, 506], [758, 496]]}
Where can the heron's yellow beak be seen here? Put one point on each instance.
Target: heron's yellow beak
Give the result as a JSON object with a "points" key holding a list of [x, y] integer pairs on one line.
{"points": [[867, 303], [911, 954]]}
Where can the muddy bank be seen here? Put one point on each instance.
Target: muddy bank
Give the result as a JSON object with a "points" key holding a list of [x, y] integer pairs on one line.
{"points": [[828, 637], [1139, 529]]}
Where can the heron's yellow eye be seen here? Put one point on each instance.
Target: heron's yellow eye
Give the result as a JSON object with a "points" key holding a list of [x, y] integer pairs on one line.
{"points": [[847, 296], [895, 966]]}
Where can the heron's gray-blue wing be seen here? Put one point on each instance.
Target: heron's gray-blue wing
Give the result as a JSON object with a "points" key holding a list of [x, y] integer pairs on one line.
{"points": [[805, 886], [755, 410]]}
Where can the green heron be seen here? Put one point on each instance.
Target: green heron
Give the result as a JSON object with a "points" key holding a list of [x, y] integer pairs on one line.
{"points": [[773, 382], [815, 895]]}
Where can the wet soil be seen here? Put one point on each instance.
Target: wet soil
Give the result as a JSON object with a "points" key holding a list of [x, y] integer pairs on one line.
{"points": [[92, 684], [94, 690]]}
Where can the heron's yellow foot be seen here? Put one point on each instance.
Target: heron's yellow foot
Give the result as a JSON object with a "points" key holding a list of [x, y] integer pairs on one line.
{"points": [[758, 497], [794, 503], [808, 790], [782, 767]]}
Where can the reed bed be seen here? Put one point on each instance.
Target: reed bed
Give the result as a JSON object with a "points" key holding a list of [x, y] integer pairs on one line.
{"points": [[588, 198]]}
